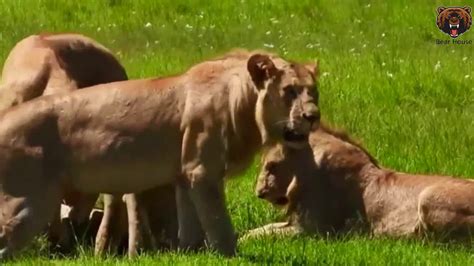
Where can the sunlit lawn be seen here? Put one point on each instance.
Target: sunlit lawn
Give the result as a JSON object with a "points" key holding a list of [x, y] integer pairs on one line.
{"points": [[383, 78]]}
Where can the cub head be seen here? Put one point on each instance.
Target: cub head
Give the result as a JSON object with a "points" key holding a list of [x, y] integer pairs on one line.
{"points": [[454, 21], [287, 105], [275, 177]]}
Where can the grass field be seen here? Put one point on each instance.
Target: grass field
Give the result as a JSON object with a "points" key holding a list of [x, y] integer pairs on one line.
{"points": [[384, 79]]}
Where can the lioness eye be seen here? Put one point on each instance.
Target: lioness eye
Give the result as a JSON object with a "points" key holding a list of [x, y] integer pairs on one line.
{"points": [[291, 92], [270, 166]]}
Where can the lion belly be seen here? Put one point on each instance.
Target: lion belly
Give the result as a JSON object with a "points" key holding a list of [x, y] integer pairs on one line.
{"points": [[122, 176], [115, 162]]}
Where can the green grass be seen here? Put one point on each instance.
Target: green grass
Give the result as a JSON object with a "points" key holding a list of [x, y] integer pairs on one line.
{"points": [[383, 79]]}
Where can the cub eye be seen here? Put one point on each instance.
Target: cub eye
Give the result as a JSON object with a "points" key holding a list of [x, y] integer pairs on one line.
{"points": [[291, 92]]}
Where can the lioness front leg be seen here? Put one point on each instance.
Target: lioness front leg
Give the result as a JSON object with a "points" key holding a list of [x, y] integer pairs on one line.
{"points": [[203, 162], [209, 201], [190, 233]]}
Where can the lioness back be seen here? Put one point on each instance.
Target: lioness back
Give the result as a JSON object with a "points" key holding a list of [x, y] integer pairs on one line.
{"points": [[51, 63]]}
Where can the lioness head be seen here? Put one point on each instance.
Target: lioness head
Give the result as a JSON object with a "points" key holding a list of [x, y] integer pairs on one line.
{"points": [[287, 105], [276, 175]]}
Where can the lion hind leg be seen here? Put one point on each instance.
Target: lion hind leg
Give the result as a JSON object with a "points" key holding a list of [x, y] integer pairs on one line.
{"points": [[112, 227], [165, 222], [80, 212], [60, 233], [138, 226], [445, 216], [149, 241]]}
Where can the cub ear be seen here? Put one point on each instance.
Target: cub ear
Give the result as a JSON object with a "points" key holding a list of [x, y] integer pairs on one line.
{"points": [[441, 9], [467, 9], [313, 68], [261, 68]]}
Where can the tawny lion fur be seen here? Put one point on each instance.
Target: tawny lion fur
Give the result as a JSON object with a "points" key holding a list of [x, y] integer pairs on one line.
{"points": [[335, 180], [126, 137], [57, 63]]}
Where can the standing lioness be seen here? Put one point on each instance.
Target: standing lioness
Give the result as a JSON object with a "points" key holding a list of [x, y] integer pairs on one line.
{"points": [[126, 137]]}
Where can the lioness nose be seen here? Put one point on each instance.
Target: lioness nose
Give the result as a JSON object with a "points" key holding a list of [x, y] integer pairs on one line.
{"points": [[312, 115]]}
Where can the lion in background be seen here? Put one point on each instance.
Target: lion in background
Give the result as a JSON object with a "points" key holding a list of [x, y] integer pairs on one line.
{"points": [[52, 63], [126, 137], [335, 181], [56, 63]]}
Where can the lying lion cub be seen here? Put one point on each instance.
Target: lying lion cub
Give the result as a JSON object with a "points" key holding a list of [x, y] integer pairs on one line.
{"points": [[334, 180], [191, 130]]}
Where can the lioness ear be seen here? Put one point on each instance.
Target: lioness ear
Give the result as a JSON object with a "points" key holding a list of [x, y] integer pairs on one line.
{"points": [[467, 9], [441, 9], [261, 68], [313, 68]]}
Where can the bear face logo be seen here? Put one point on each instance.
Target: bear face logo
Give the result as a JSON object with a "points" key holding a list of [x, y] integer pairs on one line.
{"points": [[454, 21]]}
